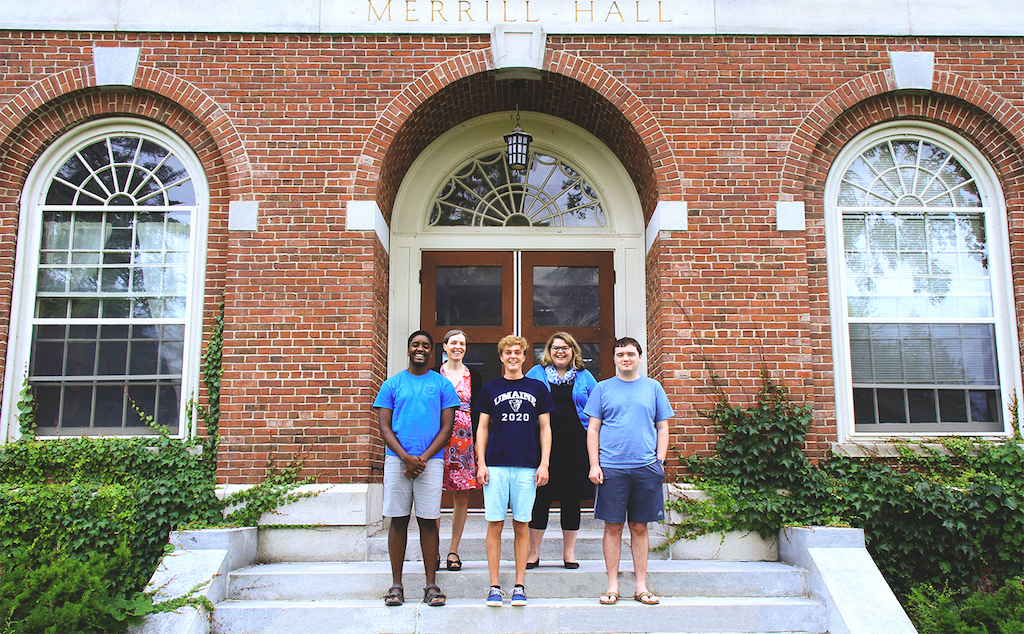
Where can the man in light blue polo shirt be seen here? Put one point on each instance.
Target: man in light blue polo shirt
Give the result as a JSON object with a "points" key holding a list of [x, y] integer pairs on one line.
{"points": [[627, 441]]}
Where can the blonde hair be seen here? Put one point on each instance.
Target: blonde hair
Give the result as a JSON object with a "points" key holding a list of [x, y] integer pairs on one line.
{"points": [[512, 340], [577, 353]]}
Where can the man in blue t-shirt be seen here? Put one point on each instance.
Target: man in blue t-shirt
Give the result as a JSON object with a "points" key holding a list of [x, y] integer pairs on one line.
{"points": [[415, 413], [513, 444], [627, 441]]}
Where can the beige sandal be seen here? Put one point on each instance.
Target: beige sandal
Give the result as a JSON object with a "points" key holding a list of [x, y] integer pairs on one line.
{"points": [[609, 598], [646, 598]]}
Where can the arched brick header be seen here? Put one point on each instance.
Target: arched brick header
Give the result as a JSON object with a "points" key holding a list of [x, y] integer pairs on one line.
{"points": [[572, 89], [381, 137], [26, 106], [936, 105]]}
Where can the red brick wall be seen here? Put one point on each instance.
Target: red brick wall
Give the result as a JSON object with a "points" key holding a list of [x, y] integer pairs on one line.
{"points": [[305, 123]]}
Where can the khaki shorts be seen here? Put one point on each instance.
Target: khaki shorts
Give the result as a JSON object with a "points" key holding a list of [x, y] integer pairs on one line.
{"points": [[401, 493]]}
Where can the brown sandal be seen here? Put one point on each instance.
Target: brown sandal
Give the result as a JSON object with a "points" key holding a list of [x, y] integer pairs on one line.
{"points": [[433, 597], [646, 598], [609, 598], [395, 596]]}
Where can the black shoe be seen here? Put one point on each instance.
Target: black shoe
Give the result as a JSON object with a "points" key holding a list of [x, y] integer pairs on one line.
{"points": [[571, 565], [530, 565]]}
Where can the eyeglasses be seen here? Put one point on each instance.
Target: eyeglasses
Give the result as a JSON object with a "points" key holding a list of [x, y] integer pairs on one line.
{"points": [[560, 348]]}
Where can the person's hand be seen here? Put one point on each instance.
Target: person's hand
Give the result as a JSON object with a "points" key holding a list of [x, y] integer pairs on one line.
{"points": [[481, 474], [596, 475], [414, 465], [542, 476]]}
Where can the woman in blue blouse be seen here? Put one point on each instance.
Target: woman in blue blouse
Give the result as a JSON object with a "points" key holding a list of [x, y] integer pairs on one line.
{"points": [[561, 370]]}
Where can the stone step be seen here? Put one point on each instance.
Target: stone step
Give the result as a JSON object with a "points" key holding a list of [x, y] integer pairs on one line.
{"points": [[542, 616], [472, 546], [369, 580]]}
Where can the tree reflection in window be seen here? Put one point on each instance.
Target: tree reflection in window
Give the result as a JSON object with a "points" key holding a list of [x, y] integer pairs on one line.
{"points": [[919, 297], [548, 193], [111, 289]]}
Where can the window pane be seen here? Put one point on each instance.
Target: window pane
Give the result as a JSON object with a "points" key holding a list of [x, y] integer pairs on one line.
{"points": [[113, 258], [468, 296], [549, 193], [565, 296]]}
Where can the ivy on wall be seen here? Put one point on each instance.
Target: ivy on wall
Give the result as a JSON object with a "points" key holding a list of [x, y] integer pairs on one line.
{"points": [[85, 521], [948, 516]]}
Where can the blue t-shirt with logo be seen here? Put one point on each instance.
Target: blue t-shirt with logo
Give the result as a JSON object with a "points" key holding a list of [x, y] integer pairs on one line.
{"points": [[416, 402], [514, 429]]}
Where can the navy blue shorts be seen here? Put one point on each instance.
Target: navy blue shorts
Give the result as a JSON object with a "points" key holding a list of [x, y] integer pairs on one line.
{"points": [[634, 495]]}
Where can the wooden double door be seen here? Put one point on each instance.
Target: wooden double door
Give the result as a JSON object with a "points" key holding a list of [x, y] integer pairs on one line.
{"points": [[490, 294]]}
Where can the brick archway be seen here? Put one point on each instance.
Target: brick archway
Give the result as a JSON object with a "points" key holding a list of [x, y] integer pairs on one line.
{"points": [[193, 111], [950, 94], [571, 88]]}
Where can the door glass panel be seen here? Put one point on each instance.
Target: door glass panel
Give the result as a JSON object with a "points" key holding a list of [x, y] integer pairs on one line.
{"points": [[468, 296], [566, 296]]}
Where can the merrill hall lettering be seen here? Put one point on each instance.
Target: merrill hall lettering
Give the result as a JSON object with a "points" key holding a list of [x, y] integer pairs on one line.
{"points": [[484, 11]]}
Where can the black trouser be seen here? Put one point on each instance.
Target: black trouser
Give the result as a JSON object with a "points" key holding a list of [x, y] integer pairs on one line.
{"points": [[570, 511]]}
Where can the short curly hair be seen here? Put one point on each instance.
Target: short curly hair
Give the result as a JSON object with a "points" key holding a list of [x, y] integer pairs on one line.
{"points": [[512, 340]]}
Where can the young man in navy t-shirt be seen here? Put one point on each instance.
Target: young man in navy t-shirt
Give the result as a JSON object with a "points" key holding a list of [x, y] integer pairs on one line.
{"points": [[513, 444], [415, 412]]}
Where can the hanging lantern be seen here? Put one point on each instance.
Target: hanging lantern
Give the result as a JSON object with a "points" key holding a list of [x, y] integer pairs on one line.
{"points": [[517, 146]]}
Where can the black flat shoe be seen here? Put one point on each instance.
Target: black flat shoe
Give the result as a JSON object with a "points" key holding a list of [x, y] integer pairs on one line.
{"points": [[530, 565], [453, 565], [571, 565]]}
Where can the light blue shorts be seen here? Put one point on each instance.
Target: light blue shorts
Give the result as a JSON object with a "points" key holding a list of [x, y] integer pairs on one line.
{"points": [[509, 487]]}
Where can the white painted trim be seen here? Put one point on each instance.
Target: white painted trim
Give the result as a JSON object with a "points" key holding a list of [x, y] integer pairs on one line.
{"points": [[669, 215], [114, 65], [913, 70], [1007, 345], [515, 46], [410, 234], [790, 216], [29, 235], [243, 215], [365, 215], [660, 17]]}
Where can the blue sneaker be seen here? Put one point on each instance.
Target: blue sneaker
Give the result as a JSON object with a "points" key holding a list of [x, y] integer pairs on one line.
{"points": [[518, 595], [495, 596]]}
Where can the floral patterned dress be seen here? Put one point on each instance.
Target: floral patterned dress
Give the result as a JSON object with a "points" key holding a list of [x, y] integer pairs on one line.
{"points": [[459, 455]]}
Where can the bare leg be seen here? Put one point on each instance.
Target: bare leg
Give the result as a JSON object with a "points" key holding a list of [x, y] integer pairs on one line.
{"points": [[398, 535], [521, 544], [612, 545], [639, 545], [460, 510], [536, 537], [569, 545], [493, 544], [429, 546]]}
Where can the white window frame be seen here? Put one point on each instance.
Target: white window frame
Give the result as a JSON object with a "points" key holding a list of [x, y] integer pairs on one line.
{"points": [[994, 211], [28, 254]]}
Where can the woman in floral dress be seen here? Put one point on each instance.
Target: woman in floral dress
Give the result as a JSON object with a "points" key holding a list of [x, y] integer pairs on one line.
{"points": [[459, 455]]}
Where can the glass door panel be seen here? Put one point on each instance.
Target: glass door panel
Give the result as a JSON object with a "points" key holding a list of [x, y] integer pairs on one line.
{"points": [[471, 291], [571, 291]]}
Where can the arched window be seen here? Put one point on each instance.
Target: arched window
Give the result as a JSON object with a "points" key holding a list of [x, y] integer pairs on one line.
{"points": [[111, 281], [924, 315], [548, 193]]}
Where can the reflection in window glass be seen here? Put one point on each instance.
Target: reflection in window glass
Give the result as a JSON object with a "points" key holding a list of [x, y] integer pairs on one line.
{"points": [[468, 296], [548, 193], [565, 296], [919, 298], [112, 289]]}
